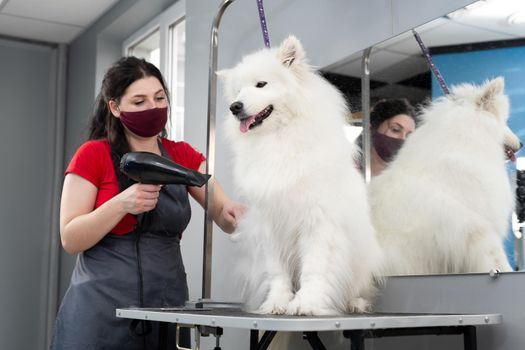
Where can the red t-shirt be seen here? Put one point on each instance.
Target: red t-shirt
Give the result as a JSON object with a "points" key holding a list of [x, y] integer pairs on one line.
{"points": [[93, 162]]}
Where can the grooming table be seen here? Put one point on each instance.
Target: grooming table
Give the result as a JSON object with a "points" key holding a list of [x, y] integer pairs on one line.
{"points": [[356, 327]]}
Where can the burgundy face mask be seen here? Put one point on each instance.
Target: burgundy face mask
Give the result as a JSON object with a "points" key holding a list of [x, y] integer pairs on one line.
{"points": [[386, 146], [147, 123]]}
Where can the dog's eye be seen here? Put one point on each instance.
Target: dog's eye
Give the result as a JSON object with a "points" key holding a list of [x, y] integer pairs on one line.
{"points": [[260, 84]]}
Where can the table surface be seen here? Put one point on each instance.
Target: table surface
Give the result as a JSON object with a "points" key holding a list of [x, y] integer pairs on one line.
{"points": [[234, 317]]}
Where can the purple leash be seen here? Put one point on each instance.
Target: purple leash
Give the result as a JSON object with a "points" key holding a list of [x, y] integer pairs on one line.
{"points": [[431, 64], [262, 18]]}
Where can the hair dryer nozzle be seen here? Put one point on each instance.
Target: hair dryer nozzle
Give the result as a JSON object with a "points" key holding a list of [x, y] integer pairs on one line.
{"points": [[150, 168]]}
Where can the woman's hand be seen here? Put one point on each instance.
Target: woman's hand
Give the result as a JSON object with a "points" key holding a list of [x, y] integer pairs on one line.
{"points": [[231, 213], [226, 213], [139, 198]]}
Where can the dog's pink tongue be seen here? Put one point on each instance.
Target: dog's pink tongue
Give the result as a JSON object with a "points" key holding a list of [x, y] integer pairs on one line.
{"points": [[510, 154], [245, 123]]}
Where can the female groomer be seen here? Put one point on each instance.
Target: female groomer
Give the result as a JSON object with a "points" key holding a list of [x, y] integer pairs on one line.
{"points": [[123, 262], [391, 122]]}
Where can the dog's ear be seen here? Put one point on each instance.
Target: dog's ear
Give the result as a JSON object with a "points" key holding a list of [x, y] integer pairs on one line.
{"points": [[291, 51], [490, 92]]}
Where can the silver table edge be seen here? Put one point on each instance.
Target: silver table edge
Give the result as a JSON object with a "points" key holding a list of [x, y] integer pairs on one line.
{"points": [[312, 323]]}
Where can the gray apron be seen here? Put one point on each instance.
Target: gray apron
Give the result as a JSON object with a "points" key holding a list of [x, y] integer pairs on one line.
{"points": [[107, 276]]}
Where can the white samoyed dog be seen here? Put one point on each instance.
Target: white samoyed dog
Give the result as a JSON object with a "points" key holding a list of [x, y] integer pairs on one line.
{"points": [[308, 241], [443, 204]]}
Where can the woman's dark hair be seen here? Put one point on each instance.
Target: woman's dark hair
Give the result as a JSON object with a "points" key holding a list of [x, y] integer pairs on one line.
{"points": [[116, 80], [386, 109]]}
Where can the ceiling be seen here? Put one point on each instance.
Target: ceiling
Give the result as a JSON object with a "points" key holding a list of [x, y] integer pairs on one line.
{"points": [[56, 21], [61, 21], [400, 57]]}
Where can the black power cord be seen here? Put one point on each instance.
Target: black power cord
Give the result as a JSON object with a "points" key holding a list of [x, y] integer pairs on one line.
{"points": [[146, 325]]}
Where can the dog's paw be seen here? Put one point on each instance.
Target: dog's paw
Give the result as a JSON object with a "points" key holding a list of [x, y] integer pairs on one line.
{"points": [[275, 305], [359, 305], [302, 306]]}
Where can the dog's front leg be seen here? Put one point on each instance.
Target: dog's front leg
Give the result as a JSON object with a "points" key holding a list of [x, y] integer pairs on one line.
{"points": [[279, 296], [322, 258], [280, 287]]}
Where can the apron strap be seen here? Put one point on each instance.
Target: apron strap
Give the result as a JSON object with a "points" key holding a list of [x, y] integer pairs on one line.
{"points": [[163, 151]]}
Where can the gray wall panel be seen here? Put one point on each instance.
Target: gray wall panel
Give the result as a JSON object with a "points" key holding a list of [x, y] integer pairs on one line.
{"points": [[27, 97]]}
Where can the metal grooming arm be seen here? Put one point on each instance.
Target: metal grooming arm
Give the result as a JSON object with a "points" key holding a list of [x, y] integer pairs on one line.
{"points": [[210, 151], [365, 107]]}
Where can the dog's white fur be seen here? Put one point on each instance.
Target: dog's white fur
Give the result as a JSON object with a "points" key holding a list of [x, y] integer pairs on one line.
{"points": [[309, 242], [443, 204]]}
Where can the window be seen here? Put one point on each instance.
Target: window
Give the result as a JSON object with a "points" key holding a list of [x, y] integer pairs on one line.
{"points": [[162, 42], [148, 48], [177, 35]]}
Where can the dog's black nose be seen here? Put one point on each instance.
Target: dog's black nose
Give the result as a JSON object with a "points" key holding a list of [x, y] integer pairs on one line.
{"points": [[236, 107]]}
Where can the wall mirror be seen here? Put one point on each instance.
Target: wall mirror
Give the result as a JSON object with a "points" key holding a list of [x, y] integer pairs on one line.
{"points": [[471, 45]]}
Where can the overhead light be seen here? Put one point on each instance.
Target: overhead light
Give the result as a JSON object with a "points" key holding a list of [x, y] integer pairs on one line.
{"points": [[517, 18], [467, 9], [491, 9]]}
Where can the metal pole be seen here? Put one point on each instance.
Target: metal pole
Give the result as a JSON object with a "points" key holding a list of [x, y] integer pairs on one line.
{"points": [[210, 151], [365, 106]]}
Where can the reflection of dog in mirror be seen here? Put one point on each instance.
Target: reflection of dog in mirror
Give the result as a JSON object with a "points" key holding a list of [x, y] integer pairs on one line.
{"points": [[307, 236], [444, 203]]}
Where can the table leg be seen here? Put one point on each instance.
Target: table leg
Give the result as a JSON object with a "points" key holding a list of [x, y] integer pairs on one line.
{"points": [[266, 339], [163, 335], [469, 338], [357, 339], [254, 339], [313, 340]]}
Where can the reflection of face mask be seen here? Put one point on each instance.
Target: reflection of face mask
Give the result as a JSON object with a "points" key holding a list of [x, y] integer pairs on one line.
{"points": [[146, 123], [386, 146]]}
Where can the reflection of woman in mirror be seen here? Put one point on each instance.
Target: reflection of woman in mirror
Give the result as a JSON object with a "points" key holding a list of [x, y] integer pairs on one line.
{"points": [[391, 121]]}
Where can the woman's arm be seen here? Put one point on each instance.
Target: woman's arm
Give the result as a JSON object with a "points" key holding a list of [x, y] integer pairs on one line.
{"points": [[226, 212], [82, 226]]}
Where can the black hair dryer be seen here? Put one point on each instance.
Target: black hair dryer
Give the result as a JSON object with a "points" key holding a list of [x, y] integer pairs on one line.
{"points": [[150, 168]]}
